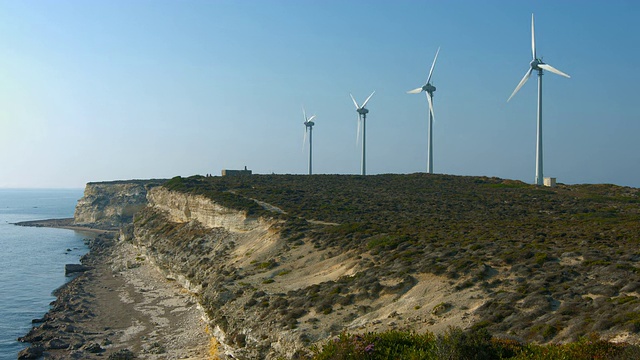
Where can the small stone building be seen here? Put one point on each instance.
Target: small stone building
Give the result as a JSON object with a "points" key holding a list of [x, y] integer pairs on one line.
{"points": [[244, 172], [550, 181]]}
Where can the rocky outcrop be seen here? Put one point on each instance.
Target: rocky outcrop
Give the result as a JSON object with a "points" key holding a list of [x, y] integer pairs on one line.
{"points": [[112, 204], [75, 268], [182, 208]]}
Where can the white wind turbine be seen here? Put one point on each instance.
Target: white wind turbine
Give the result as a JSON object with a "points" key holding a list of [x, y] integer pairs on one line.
{"points": [[308, 128], [429, 90], [362, 118], [538, 65]]}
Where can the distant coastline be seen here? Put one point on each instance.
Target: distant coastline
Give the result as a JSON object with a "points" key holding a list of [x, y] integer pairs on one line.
{"points": [[65, 223]]}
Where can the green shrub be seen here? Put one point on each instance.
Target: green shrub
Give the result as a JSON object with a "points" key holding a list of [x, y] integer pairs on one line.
{"points": [[540, 258], [386, 345], [457, 344]]}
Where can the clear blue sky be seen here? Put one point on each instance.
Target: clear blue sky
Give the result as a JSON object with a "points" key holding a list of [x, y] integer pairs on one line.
{"points": [[105, 90]]}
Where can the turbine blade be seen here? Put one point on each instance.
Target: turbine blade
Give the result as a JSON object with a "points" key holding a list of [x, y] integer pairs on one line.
{"points": [[311, 118], [304, 113], [304, 139], [354, 102], [533, 39], [366, 101], [524, 80], [430, 100], [415, 91], [553, 70], [358, 133], [433, 65]]}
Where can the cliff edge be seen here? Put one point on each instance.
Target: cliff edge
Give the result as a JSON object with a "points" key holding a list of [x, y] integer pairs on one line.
{"points": [[280, 263], [109, 205]]}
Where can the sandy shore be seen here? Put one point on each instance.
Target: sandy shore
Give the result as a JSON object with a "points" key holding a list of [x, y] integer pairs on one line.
{"points": [[122, 307]]}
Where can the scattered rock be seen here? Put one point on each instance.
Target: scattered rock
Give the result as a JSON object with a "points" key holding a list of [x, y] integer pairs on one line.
{"points": [[123, 354], [68, 328], [56, 344], [32, 352], [156, 348], [97, 307], [75, 268], [92, 348]]}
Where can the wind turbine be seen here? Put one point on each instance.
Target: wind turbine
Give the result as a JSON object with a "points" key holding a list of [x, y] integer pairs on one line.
{"points": [[362, 118], [429, 90], [538, 65], [308, 128]]}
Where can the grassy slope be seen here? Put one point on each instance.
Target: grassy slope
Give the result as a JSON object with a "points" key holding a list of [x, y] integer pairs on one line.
{"points": [[556, 263]]}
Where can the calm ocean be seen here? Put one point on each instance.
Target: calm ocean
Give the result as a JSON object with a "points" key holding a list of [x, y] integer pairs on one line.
{"points": [[32, 259]]}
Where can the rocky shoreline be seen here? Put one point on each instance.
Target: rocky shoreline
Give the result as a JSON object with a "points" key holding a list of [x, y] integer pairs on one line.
{"points": [[121, 307], [67, 223]]}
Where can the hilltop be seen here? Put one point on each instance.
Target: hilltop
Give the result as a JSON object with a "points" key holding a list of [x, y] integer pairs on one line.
{"points": [[538, 264]]}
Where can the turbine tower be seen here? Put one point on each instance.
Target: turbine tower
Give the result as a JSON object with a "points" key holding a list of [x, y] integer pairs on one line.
{"points": [[308, 128], [429, 89], [362, 118], [538, 65]]}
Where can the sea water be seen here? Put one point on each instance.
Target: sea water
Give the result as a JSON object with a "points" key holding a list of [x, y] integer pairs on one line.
{"points": [[32, 259]]}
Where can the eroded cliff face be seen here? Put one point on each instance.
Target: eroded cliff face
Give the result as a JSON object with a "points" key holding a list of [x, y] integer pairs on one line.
{"points": [[183, 208], [269, 294], [112, 204], [214, 251], [274, 285]]}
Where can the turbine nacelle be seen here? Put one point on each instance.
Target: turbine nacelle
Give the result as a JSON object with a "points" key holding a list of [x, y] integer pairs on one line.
{"points": [[429, 88], [535, 64], [362, 111], [307, 120], [361, 108]]}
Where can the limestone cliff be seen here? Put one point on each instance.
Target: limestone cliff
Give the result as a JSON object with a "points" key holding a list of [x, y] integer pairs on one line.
{"points": [[183, 208], [220, 254], [271, 296], [266, 295], [112, 204], [416, 252]]}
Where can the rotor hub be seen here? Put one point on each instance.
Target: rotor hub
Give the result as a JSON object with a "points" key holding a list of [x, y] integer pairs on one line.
{"points": [[363, 111], [535, 64], [429, 88]]}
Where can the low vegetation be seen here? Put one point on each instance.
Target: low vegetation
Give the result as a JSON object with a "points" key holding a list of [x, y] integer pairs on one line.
{"points": [[468, 345], [554, 264]]}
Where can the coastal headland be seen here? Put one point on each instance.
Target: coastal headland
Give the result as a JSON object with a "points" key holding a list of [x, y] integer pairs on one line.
{"points": [[67, 223], [269, 265]]}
